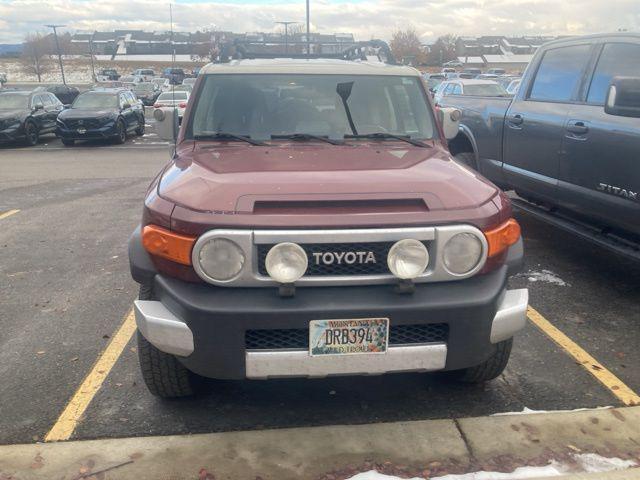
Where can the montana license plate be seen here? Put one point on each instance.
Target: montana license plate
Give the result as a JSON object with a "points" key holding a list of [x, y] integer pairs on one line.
{"points": [[343, 337]]}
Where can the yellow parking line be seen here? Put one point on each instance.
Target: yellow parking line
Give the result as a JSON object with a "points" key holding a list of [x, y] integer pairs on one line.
{"points": [[8, 214], [595, 368], [70, 416]]}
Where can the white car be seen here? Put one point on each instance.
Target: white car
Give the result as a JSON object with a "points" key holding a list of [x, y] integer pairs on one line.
{"points": [[177, 99], [189, 81], [146, 73], [162, 83], [131, 79]]}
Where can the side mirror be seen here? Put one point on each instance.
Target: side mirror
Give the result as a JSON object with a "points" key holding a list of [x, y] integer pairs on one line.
{"points": [[66, 106], [166, 123], [38, 106], [623, 97], [126, 105], [450, 121]]}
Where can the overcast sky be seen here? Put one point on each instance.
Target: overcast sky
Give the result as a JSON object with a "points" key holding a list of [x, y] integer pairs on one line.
{"points": [[365, 18]]}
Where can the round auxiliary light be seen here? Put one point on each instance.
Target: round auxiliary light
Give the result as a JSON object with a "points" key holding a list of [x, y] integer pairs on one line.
{"points": [[462, 253], [286, 262], [221, 259], [408, 259]]}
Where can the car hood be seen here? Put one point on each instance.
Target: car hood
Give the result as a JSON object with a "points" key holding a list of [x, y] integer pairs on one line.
{"points": [[6, 114], [73, 113], [343, 184]]}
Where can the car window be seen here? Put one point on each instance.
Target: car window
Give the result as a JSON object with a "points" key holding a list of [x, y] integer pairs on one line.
{"points": [[37, 100], [47, 101], [448, 89], [485, 90], [262, 105], [456, 90], [560, 73], [616, 59]]}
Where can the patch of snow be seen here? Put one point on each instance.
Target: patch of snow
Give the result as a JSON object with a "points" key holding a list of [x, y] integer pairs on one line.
{"points": [[528, 411], [587, 462], [545, 276]]}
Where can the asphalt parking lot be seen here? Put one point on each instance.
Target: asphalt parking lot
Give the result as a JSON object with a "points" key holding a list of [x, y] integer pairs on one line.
{"points": [[65, 218]]}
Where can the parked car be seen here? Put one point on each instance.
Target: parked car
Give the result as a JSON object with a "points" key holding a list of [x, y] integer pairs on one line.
{"points": [[64, 93], [497, 71], [107, 75], [433, 80], [505, 80], [449, 70], [175, 75], [569, 139], [487, 76], [107, 114], [471, 71], [484, 88], [251, 241], [131, 80], [175, 99], [189, 81], [147, 92], [453, 63], [27, 115], [162, 83], [513, 86], [146, 73]]}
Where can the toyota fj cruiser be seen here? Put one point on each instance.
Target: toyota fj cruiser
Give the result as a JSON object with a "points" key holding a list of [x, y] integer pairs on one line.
{"points": [[312, 222]]}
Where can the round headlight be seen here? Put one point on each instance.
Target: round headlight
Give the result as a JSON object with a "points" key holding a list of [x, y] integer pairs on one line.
{"points": [[462, 253], [286, 262], [221, 259], [408, 258]]}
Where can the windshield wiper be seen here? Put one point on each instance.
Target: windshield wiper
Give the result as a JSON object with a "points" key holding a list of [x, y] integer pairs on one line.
{"points": [[307, 136], [384, 136], [228, 136]]}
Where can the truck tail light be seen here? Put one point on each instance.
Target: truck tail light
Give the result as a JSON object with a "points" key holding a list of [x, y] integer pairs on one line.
{"points": [[183, 105], [502, 237], [163, 243]]}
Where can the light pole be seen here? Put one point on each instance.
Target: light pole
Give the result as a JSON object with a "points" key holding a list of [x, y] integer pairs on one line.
{"points": [[55, 34], [286, 34], [93, 68], [308, 31]]}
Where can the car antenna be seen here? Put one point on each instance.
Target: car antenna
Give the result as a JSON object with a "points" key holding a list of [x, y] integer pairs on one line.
{"points": [[173, 86]]}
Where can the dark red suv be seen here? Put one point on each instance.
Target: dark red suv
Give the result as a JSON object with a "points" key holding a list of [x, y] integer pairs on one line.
{"points": [[312, 222]]}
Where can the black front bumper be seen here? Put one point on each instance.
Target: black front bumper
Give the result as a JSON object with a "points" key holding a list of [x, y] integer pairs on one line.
{"points": [[219, 317]]}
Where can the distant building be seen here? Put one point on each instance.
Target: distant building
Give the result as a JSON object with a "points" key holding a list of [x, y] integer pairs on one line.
{"points": [[511, 53], [121, 43]]}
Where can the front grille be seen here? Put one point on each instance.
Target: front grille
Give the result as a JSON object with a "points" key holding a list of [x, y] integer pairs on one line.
{"points": [[298, 338], [85, 123], [316, 268]]}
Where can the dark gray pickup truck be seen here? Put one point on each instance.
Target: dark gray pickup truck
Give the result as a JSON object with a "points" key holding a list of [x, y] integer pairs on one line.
{"points": [[569, 141]]}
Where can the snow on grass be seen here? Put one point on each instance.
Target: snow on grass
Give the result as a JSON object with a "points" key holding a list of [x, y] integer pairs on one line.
{"points": [[586, 462]]}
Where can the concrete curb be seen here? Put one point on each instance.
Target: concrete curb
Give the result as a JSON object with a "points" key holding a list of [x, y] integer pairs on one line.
{"points": [[420, 448]]}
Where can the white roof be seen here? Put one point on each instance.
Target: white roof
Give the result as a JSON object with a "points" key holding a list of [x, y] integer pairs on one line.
{"points": [[304, 66], [508, 58], [471, 60]]}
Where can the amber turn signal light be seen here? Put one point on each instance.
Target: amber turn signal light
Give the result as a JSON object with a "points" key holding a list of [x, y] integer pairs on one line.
{"points": [[502, 237], [166, 244]]}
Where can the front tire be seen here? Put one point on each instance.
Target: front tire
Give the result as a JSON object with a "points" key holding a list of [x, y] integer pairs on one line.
{"points": [[489, 369], [163, 374], [31, 134], [121, 133], [140, 129]]}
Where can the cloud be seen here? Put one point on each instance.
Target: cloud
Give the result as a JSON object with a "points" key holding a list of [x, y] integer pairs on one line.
{"points": [[365, 18]]}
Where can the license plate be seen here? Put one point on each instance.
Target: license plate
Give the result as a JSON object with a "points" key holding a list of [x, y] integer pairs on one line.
{"points": [[344, 337], [82, 131]]}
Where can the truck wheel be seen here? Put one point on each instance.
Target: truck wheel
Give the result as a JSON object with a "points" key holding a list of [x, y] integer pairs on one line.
{"points": [[489, 369], [467, 158], [163, 374]]}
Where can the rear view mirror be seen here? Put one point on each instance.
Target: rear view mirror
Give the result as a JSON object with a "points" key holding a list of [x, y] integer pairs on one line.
{"points": [[623, 97], [450, 121], [166, 123]]}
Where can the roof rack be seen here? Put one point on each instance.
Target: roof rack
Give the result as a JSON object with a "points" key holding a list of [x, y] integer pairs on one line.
{"points": [[238, 49]]}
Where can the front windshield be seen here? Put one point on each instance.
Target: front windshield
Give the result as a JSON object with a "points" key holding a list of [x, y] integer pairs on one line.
{"points": [[9, 101], [264, 105], [485, 90], [96, 100]]}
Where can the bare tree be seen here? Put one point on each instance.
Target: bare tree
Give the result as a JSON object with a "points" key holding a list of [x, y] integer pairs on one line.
{"points": [[407, 48], [443, 50], [34, 58]]}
